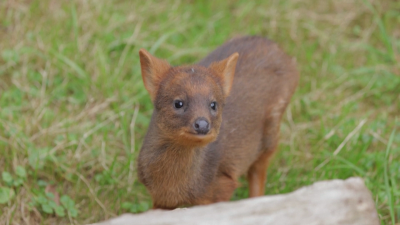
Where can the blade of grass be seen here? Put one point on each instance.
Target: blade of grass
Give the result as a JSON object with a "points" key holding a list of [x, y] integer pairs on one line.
{"points": [[74, 18], [80, 72], [158, 43], [386, 175], [351, 165], [385, 37]]}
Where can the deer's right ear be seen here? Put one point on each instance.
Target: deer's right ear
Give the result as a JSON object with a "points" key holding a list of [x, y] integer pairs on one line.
{"points": [[226, 71], [153, 70]]}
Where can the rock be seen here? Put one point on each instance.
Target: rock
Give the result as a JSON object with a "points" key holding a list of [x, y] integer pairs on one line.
{"points": [[335, 202]]}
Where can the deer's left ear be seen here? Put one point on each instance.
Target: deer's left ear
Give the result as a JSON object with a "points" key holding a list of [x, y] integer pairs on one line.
{"points": [[225, 69]]}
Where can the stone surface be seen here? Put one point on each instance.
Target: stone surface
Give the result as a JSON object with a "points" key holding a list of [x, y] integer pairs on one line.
{"points": [[323, 203]]}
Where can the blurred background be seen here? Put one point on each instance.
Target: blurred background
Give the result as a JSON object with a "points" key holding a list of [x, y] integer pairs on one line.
{"points": [[73, 109]]}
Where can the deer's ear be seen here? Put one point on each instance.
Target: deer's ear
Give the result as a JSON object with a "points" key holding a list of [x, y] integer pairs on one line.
{"points": [[153, 70], [225, 69]]}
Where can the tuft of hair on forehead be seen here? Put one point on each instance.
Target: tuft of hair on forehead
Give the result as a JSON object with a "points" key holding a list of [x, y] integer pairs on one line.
{"points": [[191, 69], [194, 70], [181, 79]]}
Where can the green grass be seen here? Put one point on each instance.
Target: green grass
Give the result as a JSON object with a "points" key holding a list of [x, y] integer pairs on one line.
{"points": [[73, 109]]}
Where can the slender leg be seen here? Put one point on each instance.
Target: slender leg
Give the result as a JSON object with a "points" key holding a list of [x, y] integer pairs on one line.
{"points": [[257, 174]]}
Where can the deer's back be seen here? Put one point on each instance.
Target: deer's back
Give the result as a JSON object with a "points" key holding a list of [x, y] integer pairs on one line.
{"points": [[264, 82]]}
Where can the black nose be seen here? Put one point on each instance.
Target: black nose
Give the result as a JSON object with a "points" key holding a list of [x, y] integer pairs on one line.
{"points": [[201, 126]]}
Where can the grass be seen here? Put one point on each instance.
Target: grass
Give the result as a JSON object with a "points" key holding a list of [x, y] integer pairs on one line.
{"points": [[73, 109]]}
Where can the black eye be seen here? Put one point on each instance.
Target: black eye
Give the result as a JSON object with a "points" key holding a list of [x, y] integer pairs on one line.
{"points": [[213, 106], [178, 104]]}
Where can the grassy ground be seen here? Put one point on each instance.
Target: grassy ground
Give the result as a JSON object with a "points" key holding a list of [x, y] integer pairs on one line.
{"points": [[73, 110]]}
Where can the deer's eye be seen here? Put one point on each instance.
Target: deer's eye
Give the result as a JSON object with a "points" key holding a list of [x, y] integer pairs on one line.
{"points": [[178, 104], [213, 106]]}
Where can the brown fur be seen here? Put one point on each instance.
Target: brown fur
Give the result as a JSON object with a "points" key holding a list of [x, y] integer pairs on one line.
{"points": [[179, 167]]}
